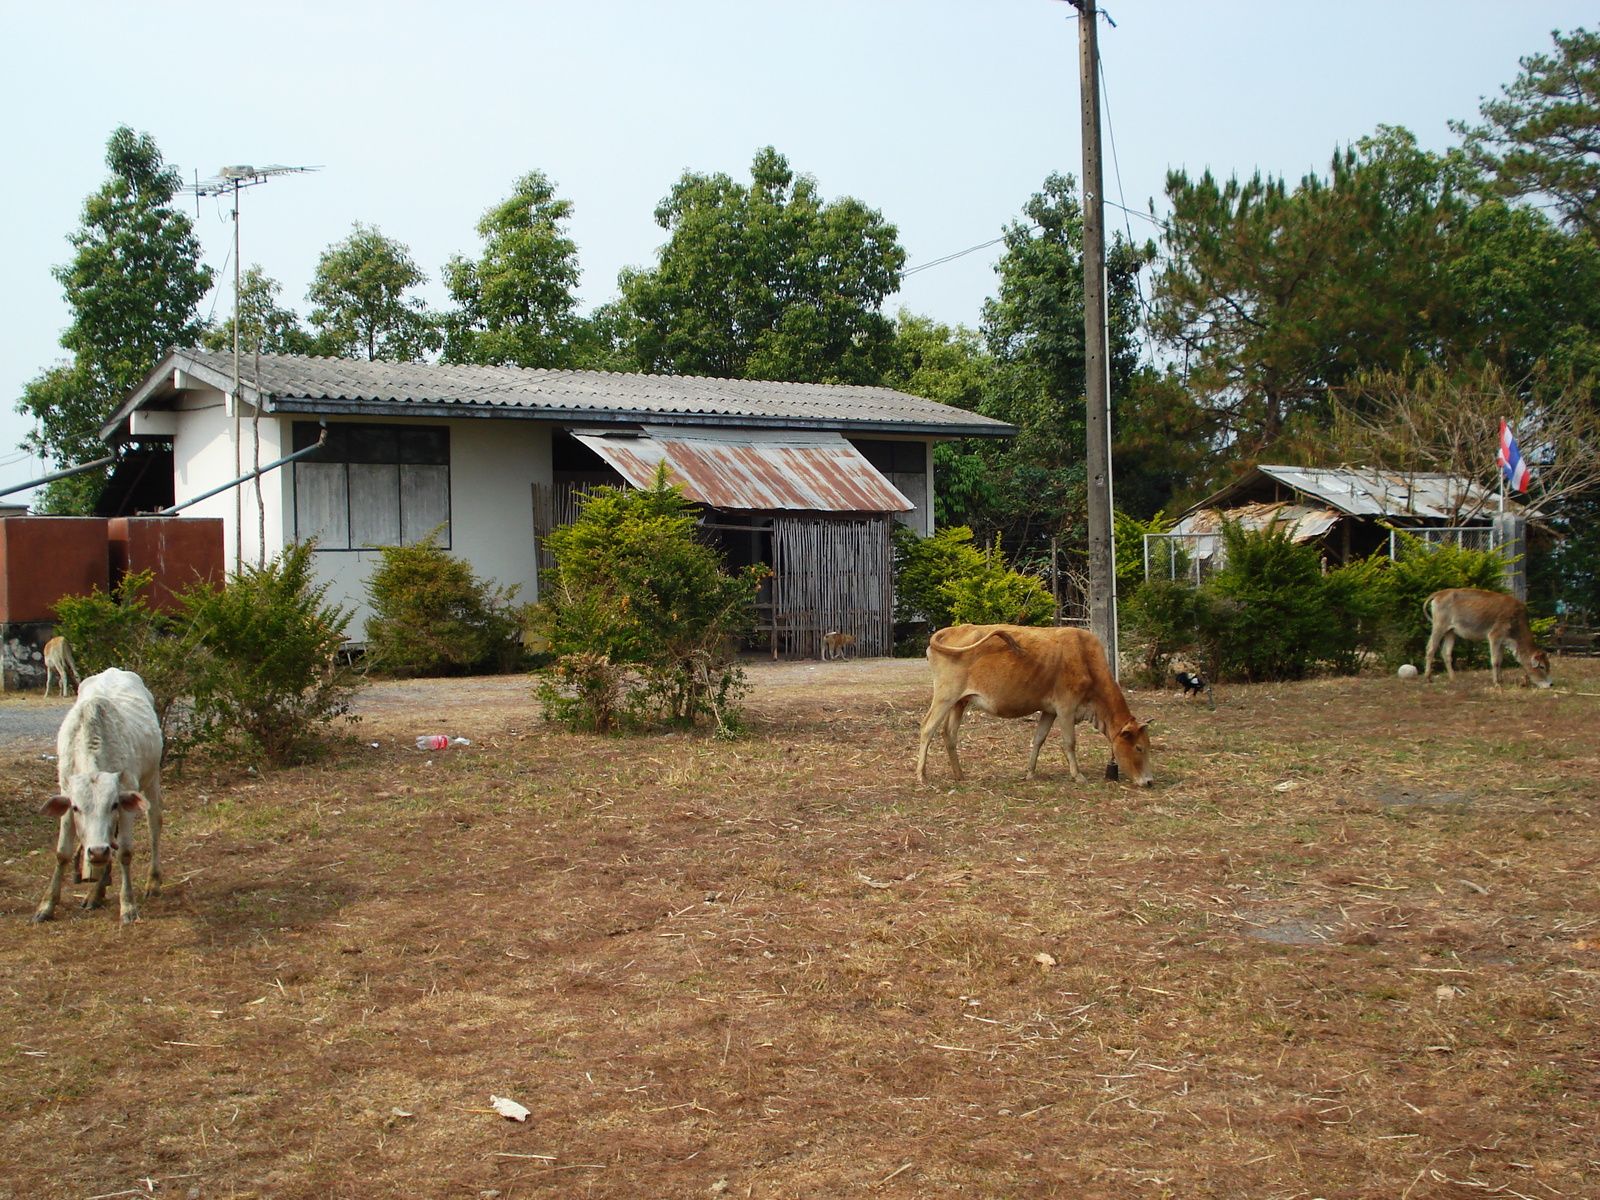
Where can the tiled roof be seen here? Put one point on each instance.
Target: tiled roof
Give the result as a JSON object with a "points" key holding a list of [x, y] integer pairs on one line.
{"points": [[299, 383]]}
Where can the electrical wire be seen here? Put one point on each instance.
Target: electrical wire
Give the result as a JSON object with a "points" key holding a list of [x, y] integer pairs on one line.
{"points": [[939, 262]]}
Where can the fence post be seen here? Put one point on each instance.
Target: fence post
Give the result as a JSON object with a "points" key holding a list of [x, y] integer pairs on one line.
{"points": [[1509, 535]]}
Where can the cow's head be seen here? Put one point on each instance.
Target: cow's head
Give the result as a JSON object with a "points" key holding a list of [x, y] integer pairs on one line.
{"points": [[1538, 667], [1131, 748], [99, 808]]}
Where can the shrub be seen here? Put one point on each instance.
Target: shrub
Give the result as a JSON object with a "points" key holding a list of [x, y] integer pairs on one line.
{"points": [[1354, 602], [1268, 614], [642, 617], [948, 581], [1163, 618], [1421, 570], [923, 565], [994, 594], [267, 683], [118, 629], [433, 616], [1127, 535]]}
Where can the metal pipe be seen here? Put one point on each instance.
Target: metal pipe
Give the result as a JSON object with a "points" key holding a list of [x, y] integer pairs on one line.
{"points": [[77, 470], [322, 440]]}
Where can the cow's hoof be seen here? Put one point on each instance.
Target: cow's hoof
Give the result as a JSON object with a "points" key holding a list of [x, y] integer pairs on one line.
{"points": [[39, 918], [130, 915]]}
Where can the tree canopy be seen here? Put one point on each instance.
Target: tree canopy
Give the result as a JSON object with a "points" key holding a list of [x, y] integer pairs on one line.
{"points": [[1272, 295], [1542, 137], [765, 281], [362, 308], [516, 302], [264, 326], [133, 285], [1029, 373]]}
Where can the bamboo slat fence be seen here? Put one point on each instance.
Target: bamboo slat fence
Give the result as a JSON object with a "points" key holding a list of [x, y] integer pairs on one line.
{"points": [[831, 574]]}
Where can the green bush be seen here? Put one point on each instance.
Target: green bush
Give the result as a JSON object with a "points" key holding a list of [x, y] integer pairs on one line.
{"points": [[1272, 613], [994, 594], [1127, 535], [267, 683], [118, 629], [1267, 620], [946, 580], [923, 565], [432, 616], [642, 617], [1162, 618], [1421, 570]]}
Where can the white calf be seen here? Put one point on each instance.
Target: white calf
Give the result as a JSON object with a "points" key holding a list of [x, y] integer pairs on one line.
{"points": [[109, 768], [57, 662]]}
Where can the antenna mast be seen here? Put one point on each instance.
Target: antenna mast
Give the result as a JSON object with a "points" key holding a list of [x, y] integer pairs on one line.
{"points": [[231, 180]]}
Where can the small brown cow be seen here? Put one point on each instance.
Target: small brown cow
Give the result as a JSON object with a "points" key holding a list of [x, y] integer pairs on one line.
{"points": [[1019, 670], [57, 662], [836, 644], [1477, 615]]}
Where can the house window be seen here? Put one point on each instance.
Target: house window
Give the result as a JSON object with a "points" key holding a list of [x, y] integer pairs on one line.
{"points": [[372, 485]]}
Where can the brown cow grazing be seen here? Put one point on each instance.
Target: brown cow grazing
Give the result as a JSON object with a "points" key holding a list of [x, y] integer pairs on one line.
{"points": [[1477, 615], [1019, 670]]}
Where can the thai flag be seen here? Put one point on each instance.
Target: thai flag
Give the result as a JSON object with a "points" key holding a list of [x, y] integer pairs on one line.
{"points": [[1516, 471]]}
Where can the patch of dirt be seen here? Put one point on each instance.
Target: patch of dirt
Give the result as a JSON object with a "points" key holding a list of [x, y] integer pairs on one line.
{"points": [[775, 966]]}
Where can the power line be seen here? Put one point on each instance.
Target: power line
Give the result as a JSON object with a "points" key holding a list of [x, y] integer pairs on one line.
{"points": [[939, 262]]}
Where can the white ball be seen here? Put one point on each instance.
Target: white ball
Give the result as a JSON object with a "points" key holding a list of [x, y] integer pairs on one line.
{"points": [[1408, 672]]}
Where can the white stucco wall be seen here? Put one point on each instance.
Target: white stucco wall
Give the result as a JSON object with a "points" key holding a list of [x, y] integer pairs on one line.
{"points": [[203, 458], [493, 466]]}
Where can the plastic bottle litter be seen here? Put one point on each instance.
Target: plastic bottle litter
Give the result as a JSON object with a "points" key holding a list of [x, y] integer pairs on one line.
{"points": [[438, 741]]}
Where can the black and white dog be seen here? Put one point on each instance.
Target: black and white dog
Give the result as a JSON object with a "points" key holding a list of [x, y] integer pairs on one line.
{"points": [[1194, 684]]}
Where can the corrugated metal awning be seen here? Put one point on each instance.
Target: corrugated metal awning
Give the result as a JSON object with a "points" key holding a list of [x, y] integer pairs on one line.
{"points": [[742, 469]]}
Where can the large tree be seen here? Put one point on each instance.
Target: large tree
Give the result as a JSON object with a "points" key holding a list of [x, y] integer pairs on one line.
{"points": [[766, 281], [1032, 487], [1271, 295], [1542, 137], [362, 309], [133, 285], [516, 302]]}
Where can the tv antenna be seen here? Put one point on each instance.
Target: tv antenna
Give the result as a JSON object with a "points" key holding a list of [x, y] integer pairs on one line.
{"points": [[231, 180]]}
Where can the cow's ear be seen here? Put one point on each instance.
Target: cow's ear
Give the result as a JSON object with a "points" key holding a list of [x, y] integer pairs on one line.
{"points": [[132, 801], [56, 805]]}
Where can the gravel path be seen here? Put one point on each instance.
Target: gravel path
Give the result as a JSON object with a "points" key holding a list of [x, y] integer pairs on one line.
{"points": [[440, 705]]}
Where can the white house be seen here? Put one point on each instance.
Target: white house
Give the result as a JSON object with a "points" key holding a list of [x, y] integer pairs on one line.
{"points": [[803, 477]]}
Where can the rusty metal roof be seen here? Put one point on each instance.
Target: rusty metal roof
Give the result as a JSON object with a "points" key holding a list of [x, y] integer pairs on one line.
{"points": [[291, 383], [772, 469], [1301, 522]]}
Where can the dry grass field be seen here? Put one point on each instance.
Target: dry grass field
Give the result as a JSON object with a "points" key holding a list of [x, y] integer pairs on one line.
{"points": [[1347, 947]]}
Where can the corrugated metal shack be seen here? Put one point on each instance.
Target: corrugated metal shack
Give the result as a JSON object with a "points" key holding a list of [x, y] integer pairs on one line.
{"points": [[1347, 511], [807, 503]]}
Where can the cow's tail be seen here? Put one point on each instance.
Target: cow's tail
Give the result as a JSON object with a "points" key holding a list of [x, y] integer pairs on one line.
{"points": [[1427, 609], [956, 651]]}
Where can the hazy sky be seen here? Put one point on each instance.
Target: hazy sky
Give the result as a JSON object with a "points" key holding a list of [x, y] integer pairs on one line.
{"points": [[945, 115]]}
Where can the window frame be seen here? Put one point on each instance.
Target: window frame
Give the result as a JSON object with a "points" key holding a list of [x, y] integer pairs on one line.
{"points": [[411, 446]]}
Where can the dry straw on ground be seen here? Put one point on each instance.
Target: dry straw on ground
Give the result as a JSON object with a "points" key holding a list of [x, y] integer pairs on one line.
{"points": [[1347, 947]]}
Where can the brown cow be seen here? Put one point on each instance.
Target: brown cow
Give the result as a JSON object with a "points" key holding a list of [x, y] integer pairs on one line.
{"points": [[1019, 670], [1477, 615]]}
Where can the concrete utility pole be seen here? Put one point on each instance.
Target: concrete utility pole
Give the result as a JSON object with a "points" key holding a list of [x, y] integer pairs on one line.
{"points": [[1096, 355]]}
